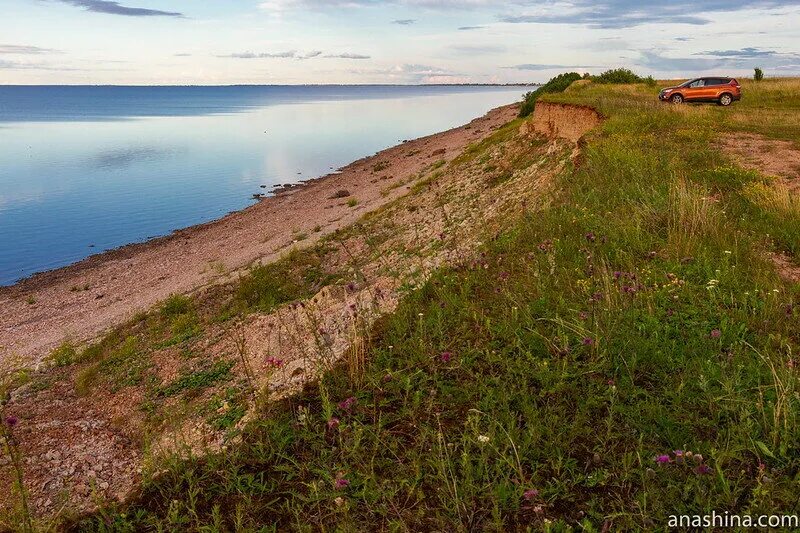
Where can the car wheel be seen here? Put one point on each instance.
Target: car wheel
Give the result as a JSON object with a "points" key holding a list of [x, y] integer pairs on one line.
{"points": [[676, 99], [725, 100]]}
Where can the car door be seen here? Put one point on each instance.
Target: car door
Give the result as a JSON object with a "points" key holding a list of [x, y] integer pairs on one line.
{"points": [[694, 91], [712, 88]]}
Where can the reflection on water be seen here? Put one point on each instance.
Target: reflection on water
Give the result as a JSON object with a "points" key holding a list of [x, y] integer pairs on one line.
{"points": [[123, 157], [77, 179]]}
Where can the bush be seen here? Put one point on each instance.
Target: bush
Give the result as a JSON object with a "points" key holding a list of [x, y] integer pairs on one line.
{"points": [[759, 74], [555, 85], [619, 75]]}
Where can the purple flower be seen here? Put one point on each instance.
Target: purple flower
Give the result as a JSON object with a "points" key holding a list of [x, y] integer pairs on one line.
{"points": [[716, 334], [617, 274], [588, 341], [333, 423], [703, 470], [273, 362], [663, 459], [11, 421], [347, 404], [530, 494], [590, 236], [341, 483], [351, 287], [583, 315], [504, 276], [446, 356]]}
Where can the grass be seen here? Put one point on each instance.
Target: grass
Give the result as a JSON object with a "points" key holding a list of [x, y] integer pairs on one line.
{"points": [[534, 386]]}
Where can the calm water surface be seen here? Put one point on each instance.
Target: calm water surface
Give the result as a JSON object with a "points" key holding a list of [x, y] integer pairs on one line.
{"points": [[86, 169]]}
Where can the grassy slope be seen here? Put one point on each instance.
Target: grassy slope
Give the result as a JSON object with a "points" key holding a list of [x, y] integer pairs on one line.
{"points": [[584, 343]]}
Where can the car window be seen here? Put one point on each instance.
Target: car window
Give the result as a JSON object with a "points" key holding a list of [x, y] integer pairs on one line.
{"points": [[697, 83], [717, 81]]}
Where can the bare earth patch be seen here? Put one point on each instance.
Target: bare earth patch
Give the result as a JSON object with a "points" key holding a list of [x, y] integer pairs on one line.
{"points": [[773, 158], [768, 156]]}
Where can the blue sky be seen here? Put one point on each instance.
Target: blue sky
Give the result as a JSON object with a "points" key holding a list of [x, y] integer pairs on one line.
{"points": [[399, 41]]}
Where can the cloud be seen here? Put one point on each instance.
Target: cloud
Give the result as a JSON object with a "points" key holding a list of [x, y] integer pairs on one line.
{"points": [[549, 66], [347, 55], [16, 65], [592, 13], [747, 52], [747, 57], [115, 8], [412, 73], [24, 49], [294, 54], [479, 49], [628, 13], [404, 22], [470, 28]]}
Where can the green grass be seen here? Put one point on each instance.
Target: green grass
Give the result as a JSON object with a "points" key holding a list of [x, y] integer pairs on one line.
{"points": [[198, 379], [636, 315]]}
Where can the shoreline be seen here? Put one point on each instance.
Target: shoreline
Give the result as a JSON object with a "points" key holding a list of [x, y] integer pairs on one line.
{"points": [[80, 301]]}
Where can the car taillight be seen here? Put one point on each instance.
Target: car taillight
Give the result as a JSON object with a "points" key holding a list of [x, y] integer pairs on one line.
{"points": [[735, 83]]}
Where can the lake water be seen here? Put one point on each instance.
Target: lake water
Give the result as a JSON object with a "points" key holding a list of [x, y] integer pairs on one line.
{"points": [[87, 169]]}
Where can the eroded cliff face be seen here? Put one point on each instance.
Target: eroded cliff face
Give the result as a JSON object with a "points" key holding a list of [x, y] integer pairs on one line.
{"points": [[565, 121]]}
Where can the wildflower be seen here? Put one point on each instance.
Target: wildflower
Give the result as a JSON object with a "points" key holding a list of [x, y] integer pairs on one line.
{"points": [[273, 362], [716, 334], [590, 236], [347, 404], [583, 315], [483, 439], [333, 423], [678, 455], [530, 494], [703, 470], [351, 287], [11, 421], [504, 276], [617, 274], [446, 356], [663, 459], [339, 501], [588, 341], [698, 458], [341, 483]]}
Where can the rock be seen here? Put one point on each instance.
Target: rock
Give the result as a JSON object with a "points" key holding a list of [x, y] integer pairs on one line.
{"points": [[341, 193]]}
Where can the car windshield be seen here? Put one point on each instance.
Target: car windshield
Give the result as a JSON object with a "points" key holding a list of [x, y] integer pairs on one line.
{"points": [[687, 83]]}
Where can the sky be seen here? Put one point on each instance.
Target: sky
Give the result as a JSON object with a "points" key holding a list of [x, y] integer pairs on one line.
{"points": [[221, 42]]}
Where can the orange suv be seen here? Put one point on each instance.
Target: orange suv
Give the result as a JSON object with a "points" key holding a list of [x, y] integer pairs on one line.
{"points": [[724, 91]]}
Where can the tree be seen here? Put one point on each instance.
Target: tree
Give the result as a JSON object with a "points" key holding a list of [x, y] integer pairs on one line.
{"points": [[759, 74]]}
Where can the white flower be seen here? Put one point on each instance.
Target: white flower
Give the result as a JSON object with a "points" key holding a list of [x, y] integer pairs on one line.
{"points": [[483, 439]]}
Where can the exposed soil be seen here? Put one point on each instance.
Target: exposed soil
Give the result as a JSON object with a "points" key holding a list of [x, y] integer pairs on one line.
{"points": [[431, 215], [773, 158], [567, 121], [768, 156], [42, 311]]}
